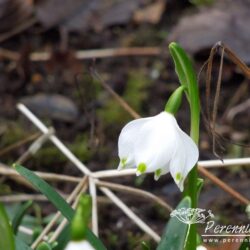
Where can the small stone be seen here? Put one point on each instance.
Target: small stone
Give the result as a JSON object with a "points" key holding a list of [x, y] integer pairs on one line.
{"points": [[54, 106]]}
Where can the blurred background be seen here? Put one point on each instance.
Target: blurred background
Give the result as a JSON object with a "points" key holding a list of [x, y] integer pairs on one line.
{"points": [[48, 53]]}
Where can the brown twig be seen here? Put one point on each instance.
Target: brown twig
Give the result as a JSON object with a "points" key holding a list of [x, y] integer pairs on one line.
{"points": [[117, 97], [19, 143], [224, 186], [135, 191], [78, 188], [5, 170], [87, 54], [23, 26]]}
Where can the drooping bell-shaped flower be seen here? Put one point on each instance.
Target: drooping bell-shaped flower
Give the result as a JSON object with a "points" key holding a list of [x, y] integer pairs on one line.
{"points": [[157, 144], [79, 245]]}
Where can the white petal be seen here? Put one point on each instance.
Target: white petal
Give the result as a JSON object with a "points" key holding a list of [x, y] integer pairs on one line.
{"points": [[201, 248], [126, 142], [156, 142], [79, 245], [184, 158]]}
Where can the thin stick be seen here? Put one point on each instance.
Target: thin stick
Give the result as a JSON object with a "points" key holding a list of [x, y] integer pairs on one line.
{"points": [[92, 191], [23, 26], [19, 143], [224, 186], [102, 53], [22, 197], [65, 221], [118, 98], [5, 170], [25, 230], [54, 139], [58, 214], [35, 146], [203, 164], [140, 223], [202, 170], [225, 163], [135, 191], [215, 105]]}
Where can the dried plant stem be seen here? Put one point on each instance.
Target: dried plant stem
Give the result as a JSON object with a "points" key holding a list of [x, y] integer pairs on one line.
{"points": [[203, 164], [140, 223], [35, 146], [224, 186], [88, 54], [22, 197], [54, 139], [118, 98], [25, 230], [65, 221], [82, 184], [101, 53], [5, 170], [135, 191], [92, 191], [225, 163], [19, 28], [19, 143]]}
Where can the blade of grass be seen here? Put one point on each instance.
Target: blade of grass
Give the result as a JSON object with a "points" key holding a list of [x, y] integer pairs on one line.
{"points": [[5, 231], [19, 215], [20, 245], [57, 200]]}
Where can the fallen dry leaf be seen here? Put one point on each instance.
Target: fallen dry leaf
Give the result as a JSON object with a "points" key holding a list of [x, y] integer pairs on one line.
{"points": [[226, 21], [82, 15], [150, 14]]}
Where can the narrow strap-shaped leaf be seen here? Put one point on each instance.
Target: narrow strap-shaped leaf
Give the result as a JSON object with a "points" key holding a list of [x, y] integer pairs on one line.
{"points": [[57, 200], [19, 215], [6, 233], [175, 233], [63, 238], [41, 185], [20, 245]]}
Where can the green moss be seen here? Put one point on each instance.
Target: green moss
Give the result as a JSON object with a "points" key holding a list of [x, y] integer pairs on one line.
{"points": [[49, 154], [13, 133], [135, 94]]}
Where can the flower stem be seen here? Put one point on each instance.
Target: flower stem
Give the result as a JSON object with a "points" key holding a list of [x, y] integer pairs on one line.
{"points": [[187, 77]]}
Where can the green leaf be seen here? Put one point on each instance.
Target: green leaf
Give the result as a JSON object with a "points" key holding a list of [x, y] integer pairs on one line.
{"points": [[6, 232], [175, 233], [245, 245], [57, 200], [44, 246], [20, 245], [63, 238], [19, 215], [145, 246]]}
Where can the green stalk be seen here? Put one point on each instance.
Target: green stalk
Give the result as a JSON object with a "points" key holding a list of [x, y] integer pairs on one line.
{"points": [[187, 77]]}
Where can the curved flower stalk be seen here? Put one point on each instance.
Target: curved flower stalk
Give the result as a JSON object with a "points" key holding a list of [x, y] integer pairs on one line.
{"points": [[157, 144]]}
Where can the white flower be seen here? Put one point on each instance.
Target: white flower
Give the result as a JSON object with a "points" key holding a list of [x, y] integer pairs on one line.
{"points": [[201, 248], [157, 144], [79, 245]]}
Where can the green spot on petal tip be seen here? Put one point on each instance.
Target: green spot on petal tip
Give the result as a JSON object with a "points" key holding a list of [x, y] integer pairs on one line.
{"points": [[142, 167], [178, 176], [157, 174], [123, 162]]}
